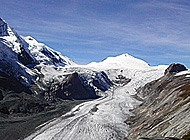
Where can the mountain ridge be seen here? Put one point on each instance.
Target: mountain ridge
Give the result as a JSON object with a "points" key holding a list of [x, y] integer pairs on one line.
{"points": [[165, 108]]}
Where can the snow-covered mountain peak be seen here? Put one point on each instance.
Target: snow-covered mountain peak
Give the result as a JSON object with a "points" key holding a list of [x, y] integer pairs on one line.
{"points": [[39, 52], [45, 54], [122, 61], [19, 55], [30, 40]]}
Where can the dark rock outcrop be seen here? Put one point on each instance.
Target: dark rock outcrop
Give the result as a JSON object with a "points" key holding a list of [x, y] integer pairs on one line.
{"points": [[97, 82], [1, 95], [3, 28], [122, 80], [24, 57], [11, 83], [17, 98], [73, 88], [174, 68]]}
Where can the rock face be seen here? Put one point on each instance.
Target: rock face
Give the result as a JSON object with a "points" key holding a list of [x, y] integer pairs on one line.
{"points": [[73, 88], [173, 68], [10, 83], [16, 98], [165, 111], [24, 57], [3, 28], [121, 80]]}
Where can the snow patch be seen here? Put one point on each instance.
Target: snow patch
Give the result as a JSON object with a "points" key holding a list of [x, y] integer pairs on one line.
{"points": [[183, 72]]}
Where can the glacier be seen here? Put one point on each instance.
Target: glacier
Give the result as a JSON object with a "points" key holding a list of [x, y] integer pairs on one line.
{"points": [[102, 118]]}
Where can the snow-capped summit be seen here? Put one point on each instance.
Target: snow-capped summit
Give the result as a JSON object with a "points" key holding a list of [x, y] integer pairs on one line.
{"points": [[122, 61]]}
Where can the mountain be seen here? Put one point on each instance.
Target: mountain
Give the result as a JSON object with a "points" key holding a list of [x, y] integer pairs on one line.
{"points": [[19, 54], [124, 61], [165, 109], [39, 71], [38, 84]]}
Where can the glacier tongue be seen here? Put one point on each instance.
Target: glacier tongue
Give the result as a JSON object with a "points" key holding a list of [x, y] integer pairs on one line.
{"points": [[102, 118]]}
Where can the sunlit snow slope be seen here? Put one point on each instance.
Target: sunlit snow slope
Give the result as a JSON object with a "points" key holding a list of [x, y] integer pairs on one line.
{"points": [[121, 61], [103, 118]]}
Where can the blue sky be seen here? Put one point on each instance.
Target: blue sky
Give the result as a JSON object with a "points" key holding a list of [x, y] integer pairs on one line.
{"points": [[157, 31]]}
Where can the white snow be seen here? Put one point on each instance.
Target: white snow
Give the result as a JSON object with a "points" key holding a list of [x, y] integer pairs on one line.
{"points": [[183, 72], [36, 49], [121, 61]]}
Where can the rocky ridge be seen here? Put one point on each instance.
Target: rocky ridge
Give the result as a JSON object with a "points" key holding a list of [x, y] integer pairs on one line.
{"points": [[165, 111]]}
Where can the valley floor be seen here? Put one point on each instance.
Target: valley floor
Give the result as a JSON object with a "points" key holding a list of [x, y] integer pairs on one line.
{"points": [[15, 127]]}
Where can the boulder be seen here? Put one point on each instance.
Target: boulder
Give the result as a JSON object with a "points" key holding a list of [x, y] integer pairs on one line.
{"points": [[73, 88]]}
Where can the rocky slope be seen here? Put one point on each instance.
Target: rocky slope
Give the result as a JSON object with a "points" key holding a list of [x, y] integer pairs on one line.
{"points": [[165, 111]]}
